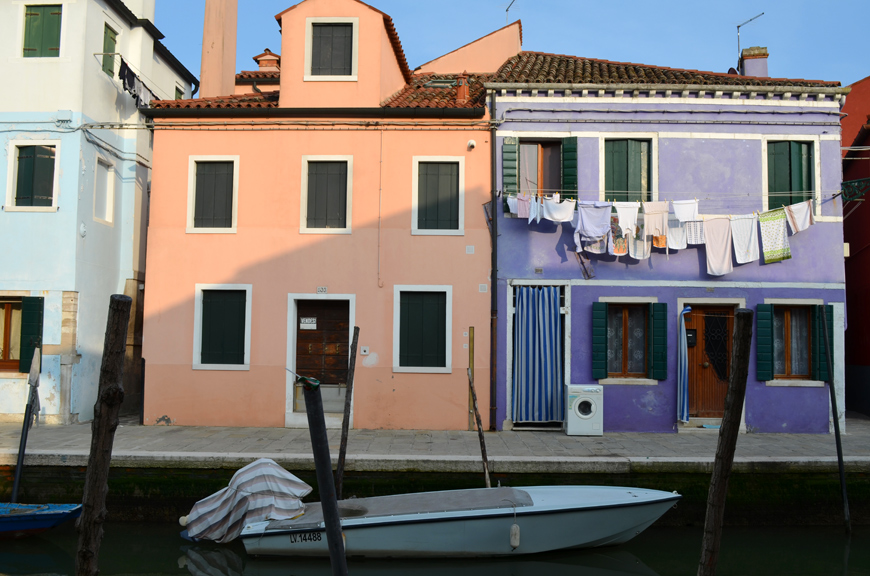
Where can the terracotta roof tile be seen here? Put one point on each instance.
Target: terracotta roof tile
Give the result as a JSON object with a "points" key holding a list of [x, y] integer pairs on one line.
{"points": [[258, 75], [264, 100], [542, 68], [419, 93]]}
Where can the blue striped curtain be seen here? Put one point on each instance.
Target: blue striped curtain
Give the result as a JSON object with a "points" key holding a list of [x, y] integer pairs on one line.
{"points": [[537, 373]]}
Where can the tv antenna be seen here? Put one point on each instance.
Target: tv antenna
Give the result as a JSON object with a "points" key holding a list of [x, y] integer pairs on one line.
{"points": [[738, 35], [508, 10]]}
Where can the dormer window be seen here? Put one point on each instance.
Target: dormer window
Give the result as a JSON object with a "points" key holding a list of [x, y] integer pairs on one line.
{"points": [[331, 46]]}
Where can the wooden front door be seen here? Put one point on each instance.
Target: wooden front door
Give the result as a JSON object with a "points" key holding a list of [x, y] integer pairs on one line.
{"points": [[709, 359], [322, 350]]}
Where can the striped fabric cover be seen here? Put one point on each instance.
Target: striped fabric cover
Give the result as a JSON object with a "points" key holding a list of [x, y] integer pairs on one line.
{"points": [[262, 490], [537, 387]]}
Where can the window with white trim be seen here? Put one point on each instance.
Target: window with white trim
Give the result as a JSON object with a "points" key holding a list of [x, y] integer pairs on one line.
{"points": [[32, 182], [213, 194], [222, 327], [327, 183], [438, 201], [42, 24], [104, 192], [331, 48], [790, 174], [422, 324]]}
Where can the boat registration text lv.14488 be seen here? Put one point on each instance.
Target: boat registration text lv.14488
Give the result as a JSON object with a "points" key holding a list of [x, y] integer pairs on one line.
{"points": [[305, 537]]}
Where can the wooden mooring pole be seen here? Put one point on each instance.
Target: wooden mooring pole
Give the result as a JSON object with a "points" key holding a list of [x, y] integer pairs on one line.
{"points": [[740, 348], [345, 422], [31, 413], [108, 404], [474, 406]]}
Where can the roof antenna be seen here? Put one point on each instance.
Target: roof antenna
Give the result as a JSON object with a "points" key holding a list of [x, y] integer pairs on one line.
{"points": [[508, 10], [738, 35]]}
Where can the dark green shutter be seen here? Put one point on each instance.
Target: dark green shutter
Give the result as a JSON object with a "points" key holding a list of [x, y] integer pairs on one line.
{"points": [[636, 184], [332, 50], [109, 41], [438, 196], [213, 205], [24, 179], [819, 356], [658, 336], [789, 173], [599, 340], [179, 93], [423, 329], [42, 31], [510, 165], [616, 170], [764, 342], [35, 177], [327, 195], [569, 165], [31, 330], [223, 327]]}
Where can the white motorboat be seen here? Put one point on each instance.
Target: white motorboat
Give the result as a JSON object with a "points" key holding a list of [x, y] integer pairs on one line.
{"points": [[467, 523]]}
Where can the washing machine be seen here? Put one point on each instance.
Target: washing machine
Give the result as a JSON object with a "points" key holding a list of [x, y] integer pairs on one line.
{"points": [[584, 410]]}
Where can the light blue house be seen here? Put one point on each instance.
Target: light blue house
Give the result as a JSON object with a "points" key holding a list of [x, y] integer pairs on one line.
{"points": [[75, 174], [733, 147]]}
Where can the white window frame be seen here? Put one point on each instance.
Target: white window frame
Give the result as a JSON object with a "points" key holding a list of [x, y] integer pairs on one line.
{"points": [[817, 170], [12, 176], [191, 193], [633, 300], [415, 184], [448, 342], [309, 37], [653, 138], [303, 195], [61, 55], [197, 326], [110, 190]]}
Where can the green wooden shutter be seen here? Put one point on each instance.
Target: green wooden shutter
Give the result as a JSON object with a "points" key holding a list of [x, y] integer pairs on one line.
{"points": [[332, 50], [24, 178], [819, 357], [35, 176], [658, 336], [599, 340], [213, 205], [778, 174], [223, 327], [569, 165], [327, 195], [616, 170], [109, 41], [510, 165], [42, 31], [33, 24], [51, 33], [764, 342], [638, 170], [438, 196], [31, 330], [423, 329]]}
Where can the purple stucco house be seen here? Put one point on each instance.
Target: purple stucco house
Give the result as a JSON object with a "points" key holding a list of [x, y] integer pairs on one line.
{"points": [[752, 161]]}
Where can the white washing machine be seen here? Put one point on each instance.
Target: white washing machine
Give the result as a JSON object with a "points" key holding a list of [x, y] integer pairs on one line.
{"points": [[584, 410]]}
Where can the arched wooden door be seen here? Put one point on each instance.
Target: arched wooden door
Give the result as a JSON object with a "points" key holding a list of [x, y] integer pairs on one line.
{"points": [[709, 359]]}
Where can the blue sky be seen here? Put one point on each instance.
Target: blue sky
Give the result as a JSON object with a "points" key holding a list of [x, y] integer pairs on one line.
{"points": [[806, 38]]}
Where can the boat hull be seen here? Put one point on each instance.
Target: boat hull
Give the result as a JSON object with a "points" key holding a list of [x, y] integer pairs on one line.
{"points": [[560, 518], [18, 520]]}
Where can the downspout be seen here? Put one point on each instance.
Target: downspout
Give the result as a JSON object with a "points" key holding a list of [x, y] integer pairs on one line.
{"points": [[493, 328]]}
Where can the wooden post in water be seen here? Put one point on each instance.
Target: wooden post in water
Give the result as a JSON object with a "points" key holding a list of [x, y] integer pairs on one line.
{"points": [[29, 416], [740, 347], [345, 422], [108, 404], [474, 405], [847, 520]]}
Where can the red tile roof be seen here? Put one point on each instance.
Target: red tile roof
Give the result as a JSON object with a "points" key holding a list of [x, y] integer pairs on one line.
{"points": [[417, 94], [258, 75], [264, 100], [542, 68]]}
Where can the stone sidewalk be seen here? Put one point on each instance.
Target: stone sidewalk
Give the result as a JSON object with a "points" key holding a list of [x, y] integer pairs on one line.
{"points": [[546, 452]]}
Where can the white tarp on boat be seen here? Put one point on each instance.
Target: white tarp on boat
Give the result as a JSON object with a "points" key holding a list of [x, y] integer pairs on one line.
{"points": [[260, 491]]}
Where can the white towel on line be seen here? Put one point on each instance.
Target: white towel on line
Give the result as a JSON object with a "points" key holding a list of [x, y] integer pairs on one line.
{"points": [[744, 236], [686, 210], [717, 231], [800, 216], [627, 213], [556, 211], [677, 237]]}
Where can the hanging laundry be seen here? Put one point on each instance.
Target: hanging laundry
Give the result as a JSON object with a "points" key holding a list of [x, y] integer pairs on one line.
{"points": [[596, 245], [522, 206], [695, 232], [512, 203], [594, 219], [127, 77], [640, 245], [556, 211], [677, 238], [627, 212], [686, 210], [744, 235], [774, 236], [655, 216], [535, 210], [800, 216], [660, 241], [618, 245], [717, 232]]}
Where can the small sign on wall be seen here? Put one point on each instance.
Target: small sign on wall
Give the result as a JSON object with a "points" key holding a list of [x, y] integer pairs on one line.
{"points": [[308, 323], [322, 290]]}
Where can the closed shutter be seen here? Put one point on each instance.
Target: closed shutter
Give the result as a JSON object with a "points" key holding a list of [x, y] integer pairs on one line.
{"points": [[599, 340], [569, 165], [109, 41], [332, 50], [510, 164], [638, 170], [223, 327], [327, 195], [764, 342], [31, 330], [438, 196], [616, 170], [658, 335], [213, 206], [422, 329], [42, 31], [819, 355], [35, 176]]}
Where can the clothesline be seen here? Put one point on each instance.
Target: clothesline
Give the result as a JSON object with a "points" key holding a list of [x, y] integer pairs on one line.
{"points": [[573, 194]]}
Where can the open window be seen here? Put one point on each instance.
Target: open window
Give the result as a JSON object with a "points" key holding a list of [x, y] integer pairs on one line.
{"points": [[790, 344], [629, 340], [21, 322], [540, 167]]}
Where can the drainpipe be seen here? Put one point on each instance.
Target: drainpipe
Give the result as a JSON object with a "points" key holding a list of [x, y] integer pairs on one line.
{"points": [[493, 337]]}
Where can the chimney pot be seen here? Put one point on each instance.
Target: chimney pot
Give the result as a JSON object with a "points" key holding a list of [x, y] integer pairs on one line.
{"points": [[462, 93]]}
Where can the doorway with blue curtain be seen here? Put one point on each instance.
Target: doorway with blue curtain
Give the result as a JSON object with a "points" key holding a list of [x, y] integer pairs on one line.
{"points": [[538, 357]]}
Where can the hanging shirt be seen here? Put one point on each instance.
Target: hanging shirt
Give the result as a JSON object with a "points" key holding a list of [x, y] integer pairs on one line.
{"points": [[774, 236], [744, 235], [627, 212], [655, 215], [695, 232], [717, 231], [595, 246], [618, 245], [677, 238], [594, 219], [800, 216], [522, 206], [686, 210], [512, 203], [556, 211], [640, 245]]}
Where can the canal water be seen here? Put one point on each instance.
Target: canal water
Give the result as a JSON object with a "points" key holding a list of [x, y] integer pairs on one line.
{"points": [[157, 550]]}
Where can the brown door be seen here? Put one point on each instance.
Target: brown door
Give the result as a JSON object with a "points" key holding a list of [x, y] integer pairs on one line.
{"points": [[709, 359], [322, 329]]}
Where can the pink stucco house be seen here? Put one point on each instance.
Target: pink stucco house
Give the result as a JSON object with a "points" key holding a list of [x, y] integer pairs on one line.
{"points": [[331, 188]]}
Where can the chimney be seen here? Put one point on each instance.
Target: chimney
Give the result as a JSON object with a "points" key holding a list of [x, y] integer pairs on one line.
{"points": [[753, 62], [218, 71], [462, 88], [268, 61]]}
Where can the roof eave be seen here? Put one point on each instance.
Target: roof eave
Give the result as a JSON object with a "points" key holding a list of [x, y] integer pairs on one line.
{"points": [[314, 112], [674, 87]]}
